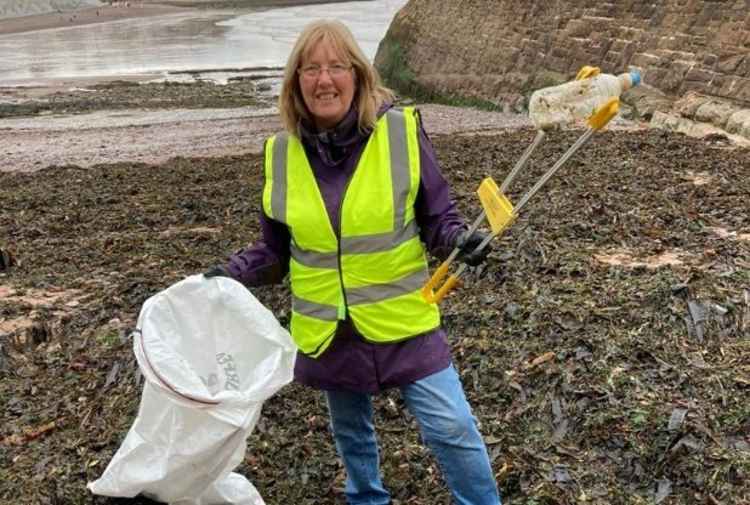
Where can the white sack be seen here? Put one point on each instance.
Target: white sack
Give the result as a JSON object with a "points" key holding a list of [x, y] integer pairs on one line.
{"points": [[210, 354]]}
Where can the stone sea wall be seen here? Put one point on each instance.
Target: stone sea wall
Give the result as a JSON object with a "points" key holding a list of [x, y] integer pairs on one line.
{"points": [[500, 50]]}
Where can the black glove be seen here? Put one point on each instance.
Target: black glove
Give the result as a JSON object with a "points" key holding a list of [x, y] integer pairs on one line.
{"points": [[216, 271], [468, 243]]}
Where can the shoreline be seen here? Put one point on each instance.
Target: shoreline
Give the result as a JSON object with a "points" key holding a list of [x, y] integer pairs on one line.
{"points": [[137, 9]]}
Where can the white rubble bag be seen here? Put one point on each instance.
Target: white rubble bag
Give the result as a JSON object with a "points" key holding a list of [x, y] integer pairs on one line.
{"points": [[210, 354]]}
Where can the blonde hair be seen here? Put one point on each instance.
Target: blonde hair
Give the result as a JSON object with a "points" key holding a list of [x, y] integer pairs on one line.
{"points": [[370, 94]]}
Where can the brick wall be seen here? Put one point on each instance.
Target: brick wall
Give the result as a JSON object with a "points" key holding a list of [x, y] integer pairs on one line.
{"points": [[500, 49]]}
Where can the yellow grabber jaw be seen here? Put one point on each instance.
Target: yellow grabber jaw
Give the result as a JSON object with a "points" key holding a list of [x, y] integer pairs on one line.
{"points": [[604, 114], [587, 72]]}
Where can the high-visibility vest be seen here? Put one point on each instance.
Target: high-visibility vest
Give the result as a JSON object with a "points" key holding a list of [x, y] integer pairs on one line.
{"points": [[375, 271]]}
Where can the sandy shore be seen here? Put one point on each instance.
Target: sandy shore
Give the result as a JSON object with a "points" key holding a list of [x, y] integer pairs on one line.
{"points": [[154, 137], [85, 16]]}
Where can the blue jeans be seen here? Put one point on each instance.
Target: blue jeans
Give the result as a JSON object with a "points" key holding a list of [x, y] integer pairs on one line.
{"points": [[447, 425]]}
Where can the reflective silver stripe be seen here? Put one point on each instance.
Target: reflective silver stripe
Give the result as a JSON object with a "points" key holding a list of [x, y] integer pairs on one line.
{"points": [[379, 292], [400, 180], [316, 310], [278, 191], [356, 245], [360, 296], [380, 242], [315, 259]]}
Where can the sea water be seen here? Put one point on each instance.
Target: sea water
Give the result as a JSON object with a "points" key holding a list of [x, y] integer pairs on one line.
{"points": [[181, 42]]}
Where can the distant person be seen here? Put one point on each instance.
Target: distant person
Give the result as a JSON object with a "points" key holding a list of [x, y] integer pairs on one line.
{"points": [[353, 197]]}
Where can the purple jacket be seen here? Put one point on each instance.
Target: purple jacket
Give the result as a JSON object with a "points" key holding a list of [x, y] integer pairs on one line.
{"points": [[351, 363]]}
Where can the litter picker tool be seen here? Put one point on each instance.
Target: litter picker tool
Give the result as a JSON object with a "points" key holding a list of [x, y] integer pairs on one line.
{"points": [[500, 212], [586, 72]]}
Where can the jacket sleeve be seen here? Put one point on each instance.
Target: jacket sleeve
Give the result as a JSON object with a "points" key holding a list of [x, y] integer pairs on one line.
{"points": [[266, 261], [436, 212]]}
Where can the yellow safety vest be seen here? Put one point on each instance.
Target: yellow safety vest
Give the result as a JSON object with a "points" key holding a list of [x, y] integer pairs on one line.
{"points": [[375, 271]]}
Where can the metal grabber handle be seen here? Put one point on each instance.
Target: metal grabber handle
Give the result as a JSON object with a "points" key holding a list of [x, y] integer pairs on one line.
{"points": [[433, 291]]}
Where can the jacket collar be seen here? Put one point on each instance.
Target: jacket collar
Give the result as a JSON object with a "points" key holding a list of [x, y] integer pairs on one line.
{"points": [[343, 134], [334, 146]]}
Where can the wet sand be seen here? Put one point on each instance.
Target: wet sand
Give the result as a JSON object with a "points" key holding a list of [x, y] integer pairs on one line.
{"points": [[85, 16]]}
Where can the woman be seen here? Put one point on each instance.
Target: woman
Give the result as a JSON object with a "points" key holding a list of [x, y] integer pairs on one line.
{"points": [[352, 197]]}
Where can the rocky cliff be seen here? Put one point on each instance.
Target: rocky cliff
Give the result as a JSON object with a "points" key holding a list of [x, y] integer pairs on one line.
{"points": [[500, 50]]}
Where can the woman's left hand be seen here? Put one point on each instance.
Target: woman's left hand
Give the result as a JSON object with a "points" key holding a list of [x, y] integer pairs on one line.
{"points": [[468, 243], [216, 271]]}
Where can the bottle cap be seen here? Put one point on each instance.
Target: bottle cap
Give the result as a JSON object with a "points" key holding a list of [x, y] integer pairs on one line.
{"points": [[635, 77]]}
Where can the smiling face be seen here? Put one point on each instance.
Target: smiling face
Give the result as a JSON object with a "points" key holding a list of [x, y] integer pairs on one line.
{"points": [[328, 94]]}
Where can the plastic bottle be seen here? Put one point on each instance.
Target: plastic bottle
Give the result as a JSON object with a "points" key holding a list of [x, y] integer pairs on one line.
{"points": [[577, 100]]}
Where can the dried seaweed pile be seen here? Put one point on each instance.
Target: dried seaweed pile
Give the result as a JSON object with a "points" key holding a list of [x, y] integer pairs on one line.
{"points": [[605, 347]]}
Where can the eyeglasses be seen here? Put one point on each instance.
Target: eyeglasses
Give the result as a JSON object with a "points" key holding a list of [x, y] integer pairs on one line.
{"points": [[335, 71]]}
